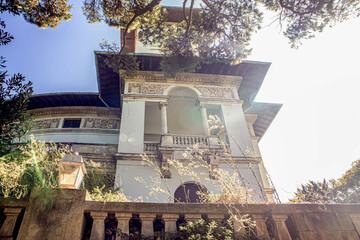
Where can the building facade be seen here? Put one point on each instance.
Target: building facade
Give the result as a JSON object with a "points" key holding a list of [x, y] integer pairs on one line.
{"points": [[164, 118]]}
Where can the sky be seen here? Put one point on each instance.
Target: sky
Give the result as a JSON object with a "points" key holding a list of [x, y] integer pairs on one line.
{"points": [[314, 136]]}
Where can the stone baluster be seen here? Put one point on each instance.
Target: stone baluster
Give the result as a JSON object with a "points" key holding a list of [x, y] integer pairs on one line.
{"points": [[204, 119], [239, 226], [123, 220], [355, 218], [163, 107], [8, 226], [192, 216], [282, 233], [218, 217], [147, 223], [98, 226], [170, 222], [261, 229]]}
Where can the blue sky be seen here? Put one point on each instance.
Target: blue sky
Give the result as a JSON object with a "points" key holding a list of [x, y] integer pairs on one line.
{"points": [[315, 135]]}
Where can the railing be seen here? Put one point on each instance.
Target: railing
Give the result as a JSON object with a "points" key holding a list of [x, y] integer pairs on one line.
{"points": [[77, 218], [151, 147], [190, 140]]}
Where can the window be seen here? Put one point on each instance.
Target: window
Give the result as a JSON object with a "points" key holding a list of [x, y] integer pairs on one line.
{"points": [[71, 123], [190, 193]]}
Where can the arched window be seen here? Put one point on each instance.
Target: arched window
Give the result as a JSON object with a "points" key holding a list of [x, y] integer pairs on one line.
{"points": [[190, 193], [184, 116]]}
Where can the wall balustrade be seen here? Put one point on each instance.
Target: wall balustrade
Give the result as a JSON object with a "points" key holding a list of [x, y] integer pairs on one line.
{"points": [[73, 217]]}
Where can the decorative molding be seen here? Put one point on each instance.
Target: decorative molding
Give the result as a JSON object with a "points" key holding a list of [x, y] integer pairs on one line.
{"points": [[214, 92], [75, 130], [144, 88], [219, 100], [56, 111], [189, 78], [101, 123], [46, 123]]}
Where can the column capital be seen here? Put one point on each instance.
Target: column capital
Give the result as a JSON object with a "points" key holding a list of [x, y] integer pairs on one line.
{"points": [[12, 211], [123, 216], [147, 216], [192, 216], [99, 215], [279, 217], [216, 216], [170, 216], [163, 104]]}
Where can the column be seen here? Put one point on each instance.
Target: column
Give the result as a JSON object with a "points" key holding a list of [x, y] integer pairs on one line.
{"points": [[264, 177], [237, 130], [123, 220], [170, 222], [8, 226], [239, 227], [98, 227], [131, 138], [261, 229], [204, 119], [147, 223], [163, 108], [282, 233], [218, 217], [355, 218], [192, 217]]}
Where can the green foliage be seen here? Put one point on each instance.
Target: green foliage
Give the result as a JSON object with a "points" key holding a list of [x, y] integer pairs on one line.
{"points": [[100, 185], [34, 164], [99, 194], [14, 121], [119, 60], [314, 192], [347, 188], [42, 13], [201, 229], [343, 190], [218, 31]]}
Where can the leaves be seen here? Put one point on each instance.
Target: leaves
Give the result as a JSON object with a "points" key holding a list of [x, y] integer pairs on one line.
{"points": [[42, 13], [343, 190], [14, 121], [220, 30]]}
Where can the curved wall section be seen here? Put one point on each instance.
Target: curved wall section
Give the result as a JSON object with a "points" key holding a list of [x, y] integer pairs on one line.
{"points": [[87, 125]]}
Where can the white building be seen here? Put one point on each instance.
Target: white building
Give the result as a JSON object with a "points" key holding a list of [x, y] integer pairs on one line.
{"points": [[162, 117]]}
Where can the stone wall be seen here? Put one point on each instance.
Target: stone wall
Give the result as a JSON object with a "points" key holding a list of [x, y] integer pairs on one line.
{"points": [[74, 217]]}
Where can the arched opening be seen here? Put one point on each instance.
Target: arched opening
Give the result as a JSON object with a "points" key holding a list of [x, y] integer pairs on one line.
{"points": [[190, 193], [183, 114]]}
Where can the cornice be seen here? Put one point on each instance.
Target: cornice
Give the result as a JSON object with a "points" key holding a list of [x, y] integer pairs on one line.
{"points": [[189, 78], [79, 111]]}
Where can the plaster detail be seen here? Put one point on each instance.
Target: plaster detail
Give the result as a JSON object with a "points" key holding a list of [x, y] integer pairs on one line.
{"points": [[216, 92], [101, 123], [46, 123], [144, 88], [56, 111], [188, 78]]}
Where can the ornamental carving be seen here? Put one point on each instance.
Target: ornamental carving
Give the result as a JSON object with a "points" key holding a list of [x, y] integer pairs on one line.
{"points": [[101, 123], [216, 92], [100, 111], [143, 88], [47, 123]]}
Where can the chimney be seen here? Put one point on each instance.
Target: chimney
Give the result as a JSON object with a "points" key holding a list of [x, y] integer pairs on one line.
{"points": [[130, 43]]}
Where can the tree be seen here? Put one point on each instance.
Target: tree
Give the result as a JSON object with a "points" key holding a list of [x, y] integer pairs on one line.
{"points": [[347, 188], [14, 121], [220, 30], [42, 13], [314, 192], [15, 91], [343, 190]]}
